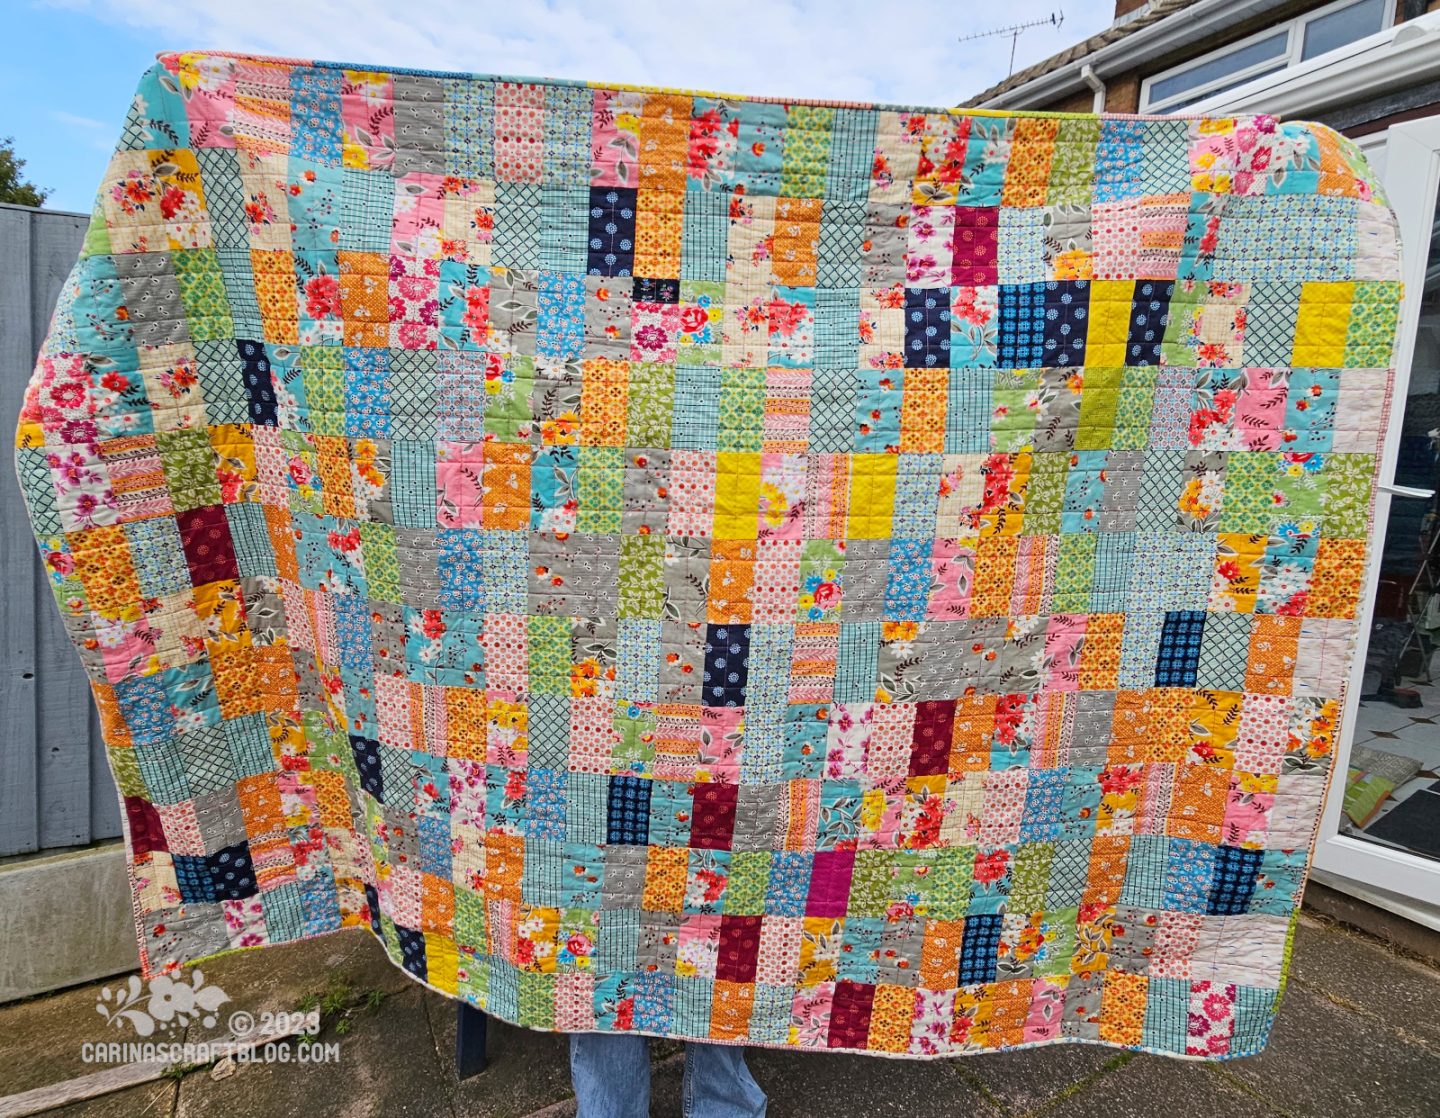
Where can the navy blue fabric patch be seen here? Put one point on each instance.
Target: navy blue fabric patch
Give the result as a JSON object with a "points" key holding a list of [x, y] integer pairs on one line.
{"points": [[628, 812], [259, 387], [1236, 872], [367, 760], [372, 902], [655, 290], [1067, 312], [412, 950], [1149, 315], [1022, 334], [980, 948], [1178, 661], [611, 244], [927, 328], [727, 665], [232, 872]]}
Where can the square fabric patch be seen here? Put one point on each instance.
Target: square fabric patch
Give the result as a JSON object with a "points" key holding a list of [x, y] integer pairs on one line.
{"points": [[855, 578]]}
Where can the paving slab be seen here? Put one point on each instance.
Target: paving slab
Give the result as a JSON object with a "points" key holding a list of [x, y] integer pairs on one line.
{"points": [[41, 1039], [666, 1081], [1148, 1086], [1327, 1060], [1329, 904], [387, 1066], [278, 979], [526, 1070], [1018, 1082], [1399, 992], [822, 1085]]}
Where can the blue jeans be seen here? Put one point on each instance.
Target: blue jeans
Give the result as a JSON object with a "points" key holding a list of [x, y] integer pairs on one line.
{"points": [[611, 1075]]}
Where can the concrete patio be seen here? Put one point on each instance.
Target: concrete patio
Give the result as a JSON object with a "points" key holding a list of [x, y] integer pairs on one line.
{"points": [[1358, 1035]]}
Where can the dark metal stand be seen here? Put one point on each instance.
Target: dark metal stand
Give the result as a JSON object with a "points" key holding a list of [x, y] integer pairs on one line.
{"points": [[469, 1041]]}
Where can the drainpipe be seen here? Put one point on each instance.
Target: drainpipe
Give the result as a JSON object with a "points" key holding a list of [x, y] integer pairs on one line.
{"points": [[1092, 79]]}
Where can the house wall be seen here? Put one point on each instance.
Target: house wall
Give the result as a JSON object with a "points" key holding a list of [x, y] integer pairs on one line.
{"points": [[1338, 120], [1122, 94]]}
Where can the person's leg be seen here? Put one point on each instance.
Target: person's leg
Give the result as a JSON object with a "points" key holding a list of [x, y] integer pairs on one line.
{"points": [[611, 1075], [717, 1084]]}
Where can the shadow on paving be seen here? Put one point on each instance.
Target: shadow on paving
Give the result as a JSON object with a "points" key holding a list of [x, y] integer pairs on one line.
{"points": [[1358, 1035]]}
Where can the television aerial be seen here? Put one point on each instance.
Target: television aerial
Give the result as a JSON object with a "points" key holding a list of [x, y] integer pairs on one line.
{"points": [[1054, 19]]}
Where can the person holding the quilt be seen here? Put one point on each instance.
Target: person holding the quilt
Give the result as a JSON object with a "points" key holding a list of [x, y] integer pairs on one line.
{"points": [[611, 1076]]}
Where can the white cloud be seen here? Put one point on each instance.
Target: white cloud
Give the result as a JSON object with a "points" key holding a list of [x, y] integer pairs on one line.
{"points": [[95, 134], [901, 51], [85, 122]]}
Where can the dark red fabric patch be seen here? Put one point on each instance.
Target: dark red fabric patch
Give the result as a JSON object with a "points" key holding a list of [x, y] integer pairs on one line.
{"points": [[147, 833], [739, 948], [850, 1015], [205, 536], [712, 826], [930, 745]]}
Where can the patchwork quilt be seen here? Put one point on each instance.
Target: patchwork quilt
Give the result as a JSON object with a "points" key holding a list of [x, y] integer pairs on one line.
{"points": [[793, 573]]}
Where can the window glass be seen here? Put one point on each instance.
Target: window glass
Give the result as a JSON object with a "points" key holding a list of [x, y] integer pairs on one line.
{"points": [[1178, 106], [1344, 25], [1392, 788], [1272, 47]]}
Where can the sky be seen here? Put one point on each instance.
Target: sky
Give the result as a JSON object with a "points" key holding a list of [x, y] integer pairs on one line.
{"points": [[71, 65]]}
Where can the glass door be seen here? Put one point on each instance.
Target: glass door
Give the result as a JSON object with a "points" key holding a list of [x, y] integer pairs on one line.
{"points": [[1382, 817]]}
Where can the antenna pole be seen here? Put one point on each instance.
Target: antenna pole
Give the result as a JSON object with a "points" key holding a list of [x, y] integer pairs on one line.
{"points": [[1055, 19]]}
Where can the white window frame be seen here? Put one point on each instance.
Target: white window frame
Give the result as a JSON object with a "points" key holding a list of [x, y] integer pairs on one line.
{"points": [[1294, 28], [1411, 177]]}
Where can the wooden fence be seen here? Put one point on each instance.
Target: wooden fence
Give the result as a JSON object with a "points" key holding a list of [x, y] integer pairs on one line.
{"points": [[55, 786]]}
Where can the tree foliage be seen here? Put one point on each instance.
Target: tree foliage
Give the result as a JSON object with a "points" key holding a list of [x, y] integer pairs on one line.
{"points": [[13, 188]]}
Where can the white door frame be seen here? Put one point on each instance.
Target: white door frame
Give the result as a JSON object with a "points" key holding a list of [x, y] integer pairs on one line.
{"points": [[1411, 176]]}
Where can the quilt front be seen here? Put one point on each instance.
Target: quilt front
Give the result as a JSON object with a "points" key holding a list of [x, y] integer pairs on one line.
{"points": [[801, 574]]}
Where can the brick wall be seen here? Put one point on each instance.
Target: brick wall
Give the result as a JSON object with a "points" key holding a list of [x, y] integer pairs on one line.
{"points": [[1123, 89]]}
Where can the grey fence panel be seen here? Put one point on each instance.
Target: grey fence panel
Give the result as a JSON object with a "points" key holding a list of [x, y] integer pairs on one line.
{"points": [[55, 785]]}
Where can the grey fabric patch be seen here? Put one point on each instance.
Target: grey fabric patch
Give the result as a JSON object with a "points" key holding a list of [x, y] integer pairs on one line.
{"points": [[419, 125], [152, 298]]}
